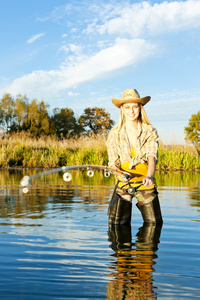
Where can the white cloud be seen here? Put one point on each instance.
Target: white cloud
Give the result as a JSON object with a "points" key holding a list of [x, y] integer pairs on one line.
{"points": [[35, 37], [144, 18], [76, 49], [72, 94], [123, 53], [135, 20], [64, 49]]}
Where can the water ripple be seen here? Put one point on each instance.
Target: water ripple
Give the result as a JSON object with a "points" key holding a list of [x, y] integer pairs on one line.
{"points": [[56, 244]]}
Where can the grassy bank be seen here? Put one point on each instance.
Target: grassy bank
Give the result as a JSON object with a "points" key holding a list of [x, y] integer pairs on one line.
{"points": [[178, 157], [21, 150]]}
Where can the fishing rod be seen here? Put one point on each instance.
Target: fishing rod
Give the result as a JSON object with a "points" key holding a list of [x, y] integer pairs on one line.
{"points": [[26, 181]]}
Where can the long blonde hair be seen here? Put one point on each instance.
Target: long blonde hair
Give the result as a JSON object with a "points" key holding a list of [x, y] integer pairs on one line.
{"points": [[120, 124]]}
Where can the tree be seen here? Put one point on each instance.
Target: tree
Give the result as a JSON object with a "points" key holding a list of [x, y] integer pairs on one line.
{"points": [[43, 118], [32, 121], [95, 120], [192, 131], [21, 111], [7, 113], [64, 122], [37, 120]]}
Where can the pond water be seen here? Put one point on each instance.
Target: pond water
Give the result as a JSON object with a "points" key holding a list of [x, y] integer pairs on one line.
{"points": [[55, 242]]}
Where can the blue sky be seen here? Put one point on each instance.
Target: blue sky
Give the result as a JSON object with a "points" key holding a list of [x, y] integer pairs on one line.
{"points": [[80, 54]]}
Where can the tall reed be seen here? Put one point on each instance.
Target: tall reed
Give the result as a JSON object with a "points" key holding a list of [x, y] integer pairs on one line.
{"points": [[178, 157], [22, 150]]}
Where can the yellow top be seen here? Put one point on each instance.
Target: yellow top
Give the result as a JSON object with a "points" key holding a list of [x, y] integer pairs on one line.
{"points": [[139, 171]]}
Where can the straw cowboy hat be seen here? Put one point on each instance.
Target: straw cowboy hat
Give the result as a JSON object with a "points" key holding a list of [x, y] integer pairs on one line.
{"points": [[130, 96]]}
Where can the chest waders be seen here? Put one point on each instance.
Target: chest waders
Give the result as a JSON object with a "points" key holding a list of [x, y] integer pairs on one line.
{"points": [[120, 209], [151, 212]]}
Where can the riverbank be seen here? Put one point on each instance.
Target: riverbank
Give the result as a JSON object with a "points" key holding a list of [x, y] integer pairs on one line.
{"points": [[21, 150]]}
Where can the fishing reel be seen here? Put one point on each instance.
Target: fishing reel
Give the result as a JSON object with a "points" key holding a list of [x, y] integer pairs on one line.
{"points": [[131, 190]]}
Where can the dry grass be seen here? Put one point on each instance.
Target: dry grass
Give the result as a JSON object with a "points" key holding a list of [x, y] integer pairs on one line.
{"points": [[25, 139], [22, 150]]}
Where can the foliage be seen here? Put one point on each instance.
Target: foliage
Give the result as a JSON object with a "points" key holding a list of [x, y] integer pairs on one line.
{"points": [[65, 123], [192, 131], [21, 107], [20, 114], [177, 159], [7, 113], [36, 120], [95, 120], [22, 150]]}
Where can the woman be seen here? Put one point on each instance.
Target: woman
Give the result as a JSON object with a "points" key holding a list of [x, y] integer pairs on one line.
{"points": [[133, 147]]}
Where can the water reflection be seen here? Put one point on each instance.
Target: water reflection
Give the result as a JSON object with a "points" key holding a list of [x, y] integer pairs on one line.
{"points": [[132, 270], [178, 179], [37, 202], [54, 242]]}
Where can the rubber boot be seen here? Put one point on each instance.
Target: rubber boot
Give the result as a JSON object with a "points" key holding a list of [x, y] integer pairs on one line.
{"points": [[151, 212], [119, 210]]}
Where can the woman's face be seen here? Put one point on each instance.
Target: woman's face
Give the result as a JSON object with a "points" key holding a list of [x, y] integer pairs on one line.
{"points": [[131, 111]]}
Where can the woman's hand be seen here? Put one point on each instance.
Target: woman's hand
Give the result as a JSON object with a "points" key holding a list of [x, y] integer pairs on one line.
{"points": [[122, 177], [147, 181]]}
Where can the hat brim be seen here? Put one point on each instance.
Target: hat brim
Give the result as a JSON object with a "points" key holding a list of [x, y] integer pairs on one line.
{"points": [[119, 102]]}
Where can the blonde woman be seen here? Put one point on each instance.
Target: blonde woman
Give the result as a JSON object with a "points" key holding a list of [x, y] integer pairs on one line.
{"points": [[133, 147]]}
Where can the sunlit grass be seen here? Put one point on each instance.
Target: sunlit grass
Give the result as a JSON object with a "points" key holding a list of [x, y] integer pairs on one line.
{"points": [[21, 150], [178, 157]]}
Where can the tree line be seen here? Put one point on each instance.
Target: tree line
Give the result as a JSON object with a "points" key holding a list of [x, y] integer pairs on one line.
{"points": [[21, 114]]}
